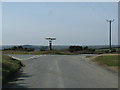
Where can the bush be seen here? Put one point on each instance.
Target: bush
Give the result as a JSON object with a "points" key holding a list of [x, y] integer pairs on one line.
{"points": [[75, 48], [81, 49], [19, 48]]}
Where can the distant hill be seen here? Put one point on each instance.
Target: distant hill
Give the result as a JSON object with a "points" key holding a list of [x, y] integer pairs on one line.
{"points": [[57, 47]]}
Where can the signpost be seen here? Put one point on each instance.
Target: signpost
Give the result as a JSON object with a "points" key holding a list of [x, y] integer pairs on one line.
{"points": [[50, 42]]}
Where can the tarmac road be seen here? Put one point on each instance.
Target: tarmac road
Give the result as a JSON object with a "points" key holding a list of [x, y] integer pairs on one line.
{"points": [[62, 71]]}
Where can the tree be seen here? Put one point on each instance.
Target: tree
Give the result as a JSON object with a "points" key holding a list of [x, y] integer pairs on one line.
{"points": [[75, 48], [86, 48]]}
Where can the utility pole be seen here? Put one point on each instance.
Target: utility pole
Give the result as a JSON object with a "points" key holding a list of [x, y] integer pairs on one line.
{"points": [[50, 42], [110, 22]]}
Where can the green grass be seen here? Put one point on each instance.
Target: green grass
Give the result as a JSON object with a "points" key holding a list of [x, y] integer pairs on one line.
{"points": [[102, 49], [109, 60], [117, 49], [39, 52], [9, 67]]}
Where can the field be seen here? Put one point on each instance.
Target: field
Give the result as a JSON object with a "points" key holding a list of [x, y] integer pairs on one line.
{"points": [[106, 49], [9, 67]]}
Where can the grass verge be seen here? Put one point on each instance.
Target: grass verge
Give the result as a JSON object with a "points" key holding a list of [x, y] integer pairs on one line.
{"points": [[109, 60], [9, 67]]}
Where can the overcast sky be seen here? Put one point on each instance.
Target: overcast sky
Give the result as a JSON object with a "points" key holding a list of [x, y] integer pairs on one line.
{"points": [[72, 23]]}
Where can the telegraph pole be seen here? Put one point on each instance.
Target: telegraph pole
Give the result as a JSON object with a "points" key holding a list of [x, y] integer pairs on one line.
{"points": [[110, 22], [50, 42]]}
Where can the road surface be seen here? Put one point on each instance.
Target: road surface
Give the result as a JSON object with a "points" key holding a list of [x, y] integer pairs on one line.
{"points": [[62, 71]]}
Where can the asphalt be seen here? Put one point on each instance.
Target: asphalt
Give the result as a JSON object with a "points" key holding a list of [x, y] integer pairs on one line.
{"points": [[62, 71]]}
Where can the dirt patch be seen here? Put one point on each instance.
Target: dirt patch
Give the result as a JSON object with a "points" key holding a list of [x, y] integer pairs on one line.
{"points": [[114, 68]]}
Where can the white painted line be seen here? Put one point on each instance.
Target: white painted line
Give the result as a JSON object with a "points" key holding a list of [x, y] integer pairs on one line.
{"points": [[16, 58], [36, 56], [32, 57]]}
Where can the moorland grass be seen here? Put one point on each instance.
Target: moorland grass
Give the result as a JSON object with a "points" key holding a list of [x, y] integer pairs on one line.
{"points": [[39, 52], [9, 67]]}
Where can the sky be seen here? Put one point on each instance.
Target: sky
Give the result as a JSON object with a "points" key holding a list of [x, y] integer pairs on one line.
{"points": [[72, 23], [0, 23]]}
